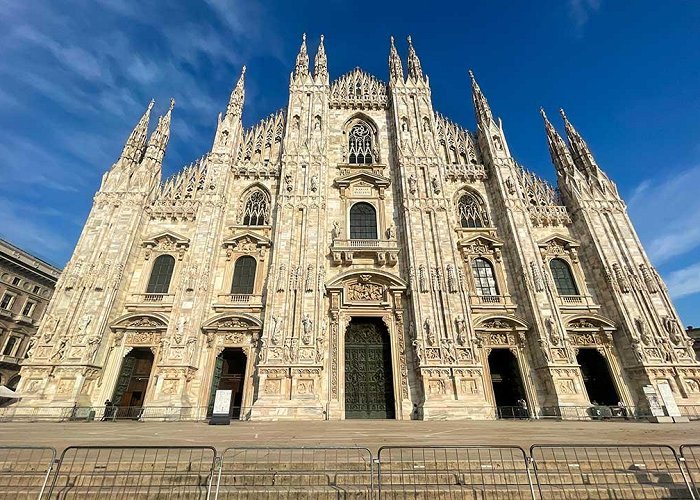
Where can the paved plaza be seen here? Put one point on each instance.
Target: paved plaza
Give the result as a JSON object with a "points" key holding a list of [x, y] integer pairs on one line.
{"points": [[365, 433]]}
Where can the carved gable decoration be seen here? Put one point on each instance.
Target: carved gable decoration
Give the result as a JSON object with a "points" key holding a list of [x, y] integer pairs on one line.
{"points": [[246, 241], [501, 323], [358, 89], [590, 324], [230, 323], [141, 322], [364, 291], [557, 245], [166, 241], [362, 180], [480, 245]]}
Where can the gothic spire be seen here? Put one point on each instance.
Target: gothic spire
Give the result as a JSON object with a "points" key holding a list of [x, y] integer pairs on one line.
{"points": [[395, 67], [235, 102], [136, 143], [160, 136], [481, 105], [583, 158], [321, 62], [558, 150], [302, 65], [414, 68]]}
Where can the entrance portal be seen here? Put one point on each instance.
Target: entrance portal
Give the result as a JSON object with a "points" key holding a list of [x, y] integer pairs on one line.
{"points": [[596, 377], [132, 383], [369, 389], [229, 374], [507, 384]]}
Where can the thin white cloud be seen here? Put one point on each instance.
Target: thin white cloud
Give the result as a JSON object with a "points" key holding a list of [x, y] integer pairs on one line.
{"points": [[684, 281], [581, 11], [666, 214]]}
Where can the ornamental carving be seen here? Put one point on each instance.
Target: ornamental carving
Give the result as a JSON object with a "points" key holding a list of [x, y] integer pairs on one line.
{"points": [[144, 322], [368, 292]]}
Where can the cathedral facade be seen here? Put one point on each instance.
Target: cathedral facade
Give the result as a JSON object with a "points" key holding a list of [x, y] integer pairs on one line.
{"points": [[358, 255]]}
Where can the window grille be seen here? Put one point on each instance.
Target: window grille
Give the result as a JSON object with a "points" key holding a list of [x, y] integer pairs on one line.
{"points": [[161, 274], [257, 209], [563, 279], [471, 211], [244, 276], [484, 278], [360, 145], [363, 222]]}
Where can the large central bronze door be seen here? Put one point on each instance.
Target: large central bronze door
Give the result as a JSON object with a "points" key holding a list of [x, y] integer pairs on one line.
{"points": [[369, 390]]}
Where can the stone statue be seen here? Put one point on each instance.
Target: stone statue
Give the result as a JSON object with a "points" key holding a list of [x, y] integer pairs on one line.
{"points": [[391, 232], [307, 325], [412, 182], [275, 337], [82, 327], [671, 326], [461, 329], [335, 232], [314, 183]]}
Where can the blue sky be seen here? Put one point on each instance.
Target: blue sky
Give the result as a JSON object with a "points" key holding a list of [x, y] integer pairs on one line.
{"points": [[75, 76]]}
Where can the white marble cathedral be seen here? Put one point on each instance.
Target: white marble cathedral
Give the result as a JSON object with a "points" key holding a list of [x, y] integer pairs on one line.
{"points": [[358, 255]]}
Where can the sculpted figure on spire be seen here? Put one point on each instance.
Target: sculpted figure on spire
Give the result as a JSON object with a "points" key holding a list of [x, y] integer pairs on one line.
{"points": [[301, 67], [321, 62], [235, 103], [395, 67], [414, 68]]}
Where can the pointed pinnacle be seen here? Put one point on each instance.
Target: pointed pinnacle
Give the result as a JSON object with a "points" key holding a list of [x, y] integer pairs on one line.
{"points": [[543, 114], [391, 39], [409, 40], [150, 104], [172, 104], [303, 37], [321, 38], [471, 75], [563, 115]]}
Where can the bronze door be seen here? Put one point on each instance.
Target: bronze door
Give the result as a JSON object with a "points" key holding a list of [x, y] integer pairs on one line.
{"points": [[369, 389]]}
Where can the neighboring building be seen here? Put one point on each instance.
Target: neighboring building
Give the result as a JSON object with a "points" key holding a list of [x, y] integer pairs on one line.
{"points": [[358, 255], [694, 334], [26, 286]]}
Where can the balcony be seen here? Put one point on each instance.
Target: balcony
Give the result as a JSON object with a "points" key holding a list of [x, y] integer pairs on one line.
{"points": [[244, 301], [491, 302], [5, 312], [27, 320], [150, 301], [383, 252], [577, 302]]}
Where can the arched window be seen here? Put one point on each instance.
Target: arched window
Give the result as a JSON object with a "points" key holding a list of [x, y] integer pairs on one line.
{"points": [[244, 276], [161, 274], [563, 279], [257, 209], [360, 144], [363, 222], [471, 211], [484, 277]]}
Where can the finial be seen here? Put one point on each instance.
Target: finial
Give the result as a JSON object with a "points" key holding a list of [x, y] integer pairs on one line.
{"points": [[409, 39], [172, 104], [544, 115], [563, 115], [391, 38], [321, 38], [243, 70], [303, 37], [471, 75], [150, 104]]}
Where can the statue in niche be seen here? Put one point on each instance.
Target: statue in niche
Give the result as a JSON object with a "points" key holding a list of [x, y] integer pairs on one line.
{"points": [[82, 327], [551, 330], [307, 325], [436, 184], [429, 331], [461, 329], [391, 232], [93, 346], [50, 325], [314, 183], [275, 337], [671, 326], [335, 232], [412, 183], [644, 334], [60, 350]]}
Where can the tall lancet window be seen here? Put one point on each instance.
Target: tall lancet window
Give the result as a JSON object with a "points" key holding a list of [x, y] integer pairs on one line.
{"points": [[257, 209], [360, 145], [162, 272], [563, 279], [472, 212]]}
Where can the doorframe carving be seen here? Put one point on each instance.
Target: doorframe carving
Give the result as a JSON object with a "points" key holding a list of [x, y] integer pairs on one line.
{"points": [[389, 307]]}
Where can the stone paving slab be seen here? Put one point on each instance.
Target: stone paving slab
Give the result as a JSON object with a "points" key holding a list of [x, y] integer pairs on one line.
{"points": [[364, 433]]}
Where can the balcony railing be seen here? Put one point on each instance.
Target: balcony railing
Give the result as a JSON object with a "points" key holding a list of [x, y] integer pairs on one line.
{"points": [[384, 251], [157, 300], [238, 300], [577, 301], [498, 301]]}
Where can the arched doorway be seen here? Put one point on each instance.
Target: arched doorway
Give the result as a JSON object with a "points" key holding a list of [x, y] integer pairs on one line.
{"points": [[596, 377], [130, 391], [229, 374], [369, 389], [508, 391]]}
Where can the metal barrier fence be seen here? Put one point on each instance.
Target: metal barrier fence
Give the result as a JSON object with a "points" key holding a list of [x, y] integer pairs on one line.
{"points": [[485, 472], [25, 470], [690, 454], [454, 472], [317, 472], [609, 472], [134, 472]]}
